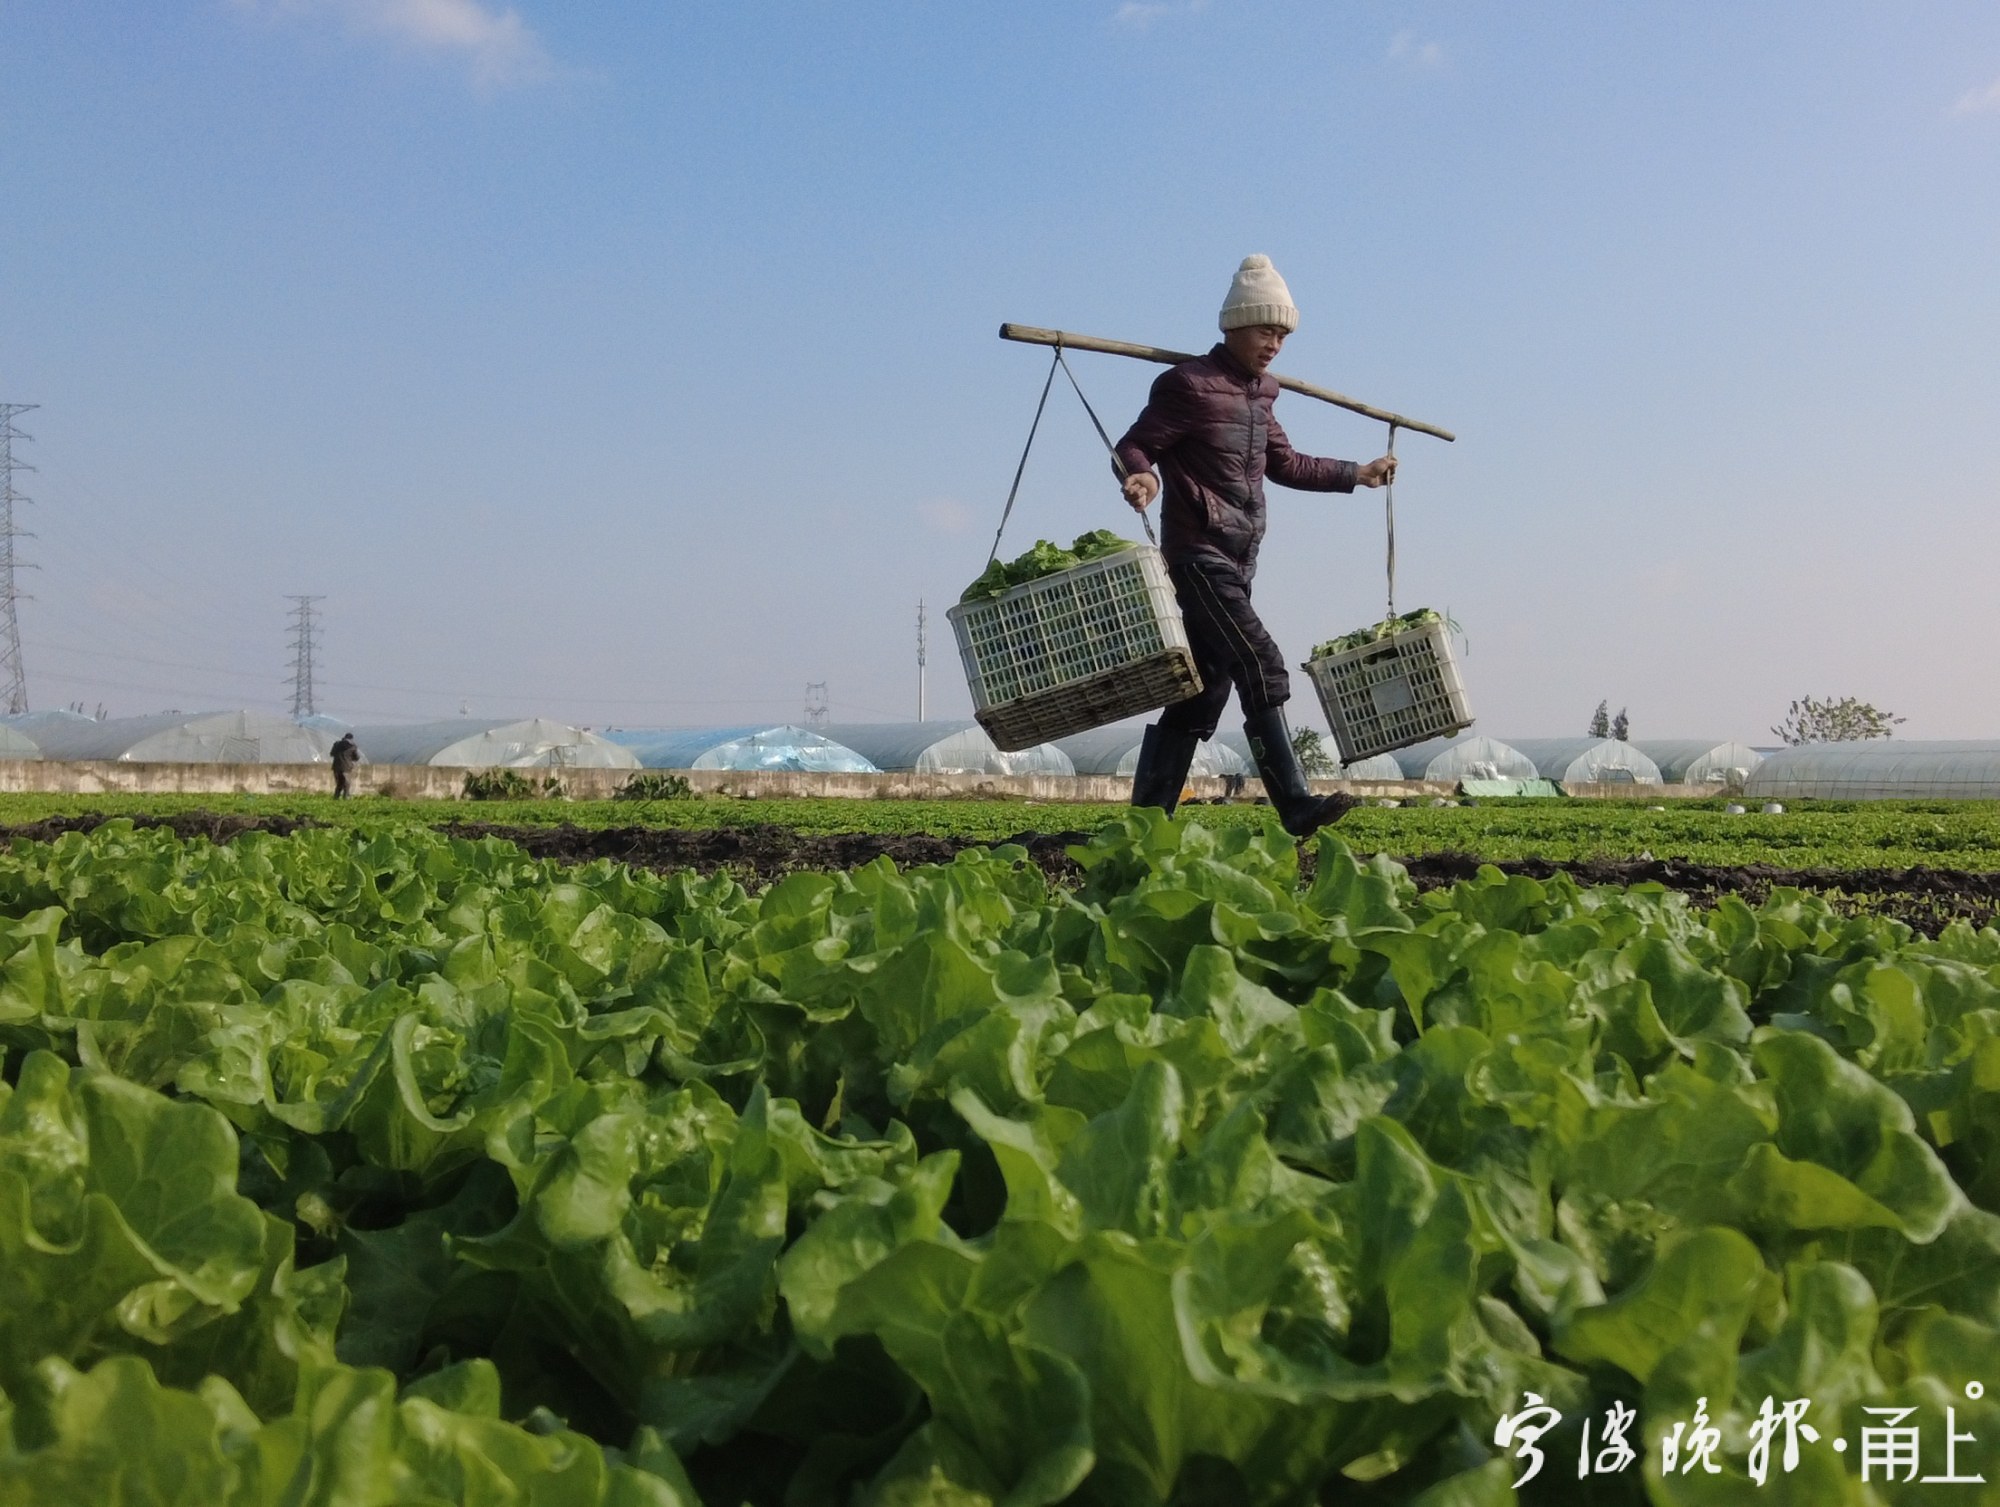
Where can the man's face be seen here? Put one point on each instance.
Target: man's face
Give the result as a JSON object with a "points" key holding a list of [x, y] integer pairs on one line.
{"points": [[1255, 345]]}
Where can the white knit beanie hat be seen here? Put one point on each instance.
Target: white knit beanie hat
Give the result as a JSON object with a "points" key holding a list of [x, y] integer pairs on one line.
{"points": [[1257, 295]]}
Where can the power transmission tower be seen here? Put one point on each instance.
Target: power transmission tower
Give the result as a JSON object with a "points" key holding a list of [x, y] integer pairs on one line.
{"points": [[818, 713], [305, 645], [12, 670], [923, 627]]}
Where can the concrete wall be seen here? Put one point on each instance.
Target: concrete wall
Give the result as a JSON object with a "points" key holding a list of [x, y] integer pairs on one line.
{"points": [[1627, 790], [428, 782]]}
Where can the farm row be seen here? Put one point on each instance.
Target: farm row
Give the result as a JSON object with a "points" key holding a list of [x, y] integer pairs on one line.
{"points": [[375, 1165], [1962, 835]]}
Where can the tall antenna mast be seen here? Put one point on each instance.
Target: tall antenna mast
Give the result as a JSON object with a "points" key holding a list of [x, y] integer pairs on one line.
{"points": [[12, 671], [923, 626], [305, 643]]}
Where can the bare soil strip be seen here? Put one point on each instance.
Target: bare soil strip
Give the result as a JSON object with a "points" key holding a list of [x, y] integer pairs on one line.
{"points": [[1925, 898]]}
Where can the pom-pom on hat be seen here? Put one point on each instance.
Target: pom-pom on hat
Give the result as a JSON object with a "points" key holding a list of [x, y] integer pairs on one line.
{"points": [[1257, 295]]}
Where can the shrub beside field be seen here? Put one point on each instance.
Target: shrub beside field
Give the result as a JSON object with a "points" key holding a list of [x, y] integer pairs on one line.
{"points": [[372, 1166]]}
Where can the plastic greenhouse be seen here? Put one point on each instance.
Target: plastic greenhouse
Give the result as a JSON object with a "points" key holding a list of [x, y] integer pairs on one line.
{"points": [[1701, 761], [177, 738], [943, 748], [15, 743], [1880, 769], [1115, 750], [31, 723], [319, 722], [1589, 761], [535, 743], [1467, 758], [1376, 767], [783, 747]]}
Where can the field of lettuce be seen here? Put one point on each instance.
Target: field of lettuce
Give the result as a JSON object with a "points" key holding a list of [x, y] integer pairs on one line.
{"points": [[367, 1164], [1959, 835]]}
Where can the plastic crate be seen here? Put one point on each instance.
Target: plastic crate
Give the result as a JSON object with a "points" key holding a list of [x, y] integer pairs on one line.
{"points": [[1075, 650], [1391, 693]]}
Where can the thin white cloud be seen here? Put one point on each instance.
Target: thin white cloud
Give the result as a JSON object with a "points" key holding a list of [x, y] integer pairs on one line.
{"points": [[1405, 48], [1979, 101], [1140, 14], [494, 42], [946, 515]]}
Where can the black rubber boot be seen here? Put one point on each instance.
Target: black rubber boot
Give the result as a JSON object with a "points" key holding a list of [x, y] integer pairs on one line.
{"points": [[1302, 812], [1164, 758]]}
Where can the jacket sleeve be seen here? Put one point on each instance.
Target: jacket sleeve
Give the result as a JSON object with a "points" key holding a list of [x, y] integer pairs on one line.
{"points": [[1308, 473], [1161, 423]]}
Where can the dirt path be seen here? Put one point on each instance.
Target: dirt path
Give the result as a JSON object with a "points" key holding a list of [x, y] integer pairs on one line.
{"points": [[1927, 899], [759, 854]]}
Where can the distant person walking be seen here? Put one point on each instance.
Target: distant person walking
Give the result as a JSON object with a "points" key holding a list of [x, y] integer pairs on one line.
{"points": [[346, 754], [1209, 428]]}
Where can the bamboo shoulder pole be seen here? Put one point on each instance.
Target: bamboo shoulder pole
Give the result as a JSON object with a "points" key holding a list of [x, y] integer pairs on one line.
{"points": [[1032, 336]]}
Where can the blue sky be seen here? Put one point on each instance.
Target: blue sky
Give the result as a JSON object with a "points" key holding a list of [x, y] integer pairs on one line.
{"points": [[635, 362]]}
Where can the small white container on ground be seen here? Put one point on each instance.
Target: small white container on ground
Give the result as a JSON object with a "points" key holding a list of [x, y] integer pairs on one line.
{"points": [[1391, 693], [1074, 650]]}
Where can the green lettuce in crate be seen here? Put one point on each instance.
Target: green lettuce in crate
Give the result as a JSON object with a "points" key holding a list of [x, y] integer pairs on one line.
{"points": [[1045, 559], [1389, 627]]}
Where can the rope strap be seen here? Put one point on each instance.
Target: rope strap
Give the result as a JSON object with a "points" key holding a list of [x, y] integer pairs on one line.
{"points": [[1389, 504], [1116, 464], [1014, 490]]}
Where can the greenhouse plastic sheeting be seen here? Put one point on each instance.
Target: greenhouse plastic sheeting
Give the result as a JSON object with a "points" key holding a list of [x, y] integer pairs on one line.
{"points": [[1588, 761], [16, 743], [180, 738], [752, 747], [1700, 761], [1379, 767], [1465, 758], [943, 748], [32, 723], [535, 743], [319, 722], [1880, 769], [1115, 750]]}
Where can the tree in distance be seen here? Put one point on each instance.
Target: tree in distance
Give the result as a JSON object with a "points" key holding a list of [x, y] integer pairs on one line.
{"points": [[1600, 720], [1621, 727], [1310, 750], [1848, 720]]}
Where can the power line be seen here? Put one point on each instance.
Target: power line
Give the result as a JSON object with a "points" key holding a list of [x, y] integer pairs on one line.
{"points": [[818, 713], [222, 700], [304, 641], [140, 659], [437, 692], [12, 671], [923, 630]]}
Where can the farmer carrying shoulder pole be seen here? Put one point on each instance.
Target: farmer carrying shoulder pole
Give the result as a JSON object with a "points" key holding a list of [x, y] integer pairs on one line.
{"points": [[1208, 427]]}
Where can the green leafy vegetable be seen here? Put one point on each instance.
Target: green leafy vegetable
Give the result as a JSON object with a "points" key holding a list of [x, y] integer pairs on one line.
{"points": [[1043, 559], [1389, 627], [373, 1167]]}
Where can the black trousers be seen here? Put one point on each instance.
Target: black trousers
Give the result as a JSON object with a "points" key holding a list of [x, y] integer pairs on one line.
{"points": [[1231, 648]]}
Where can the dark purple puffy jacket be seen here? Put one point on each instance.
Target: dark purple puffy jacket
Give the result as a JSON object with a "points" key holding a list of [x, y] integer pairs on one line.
{"points": [[1209, 428]]}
